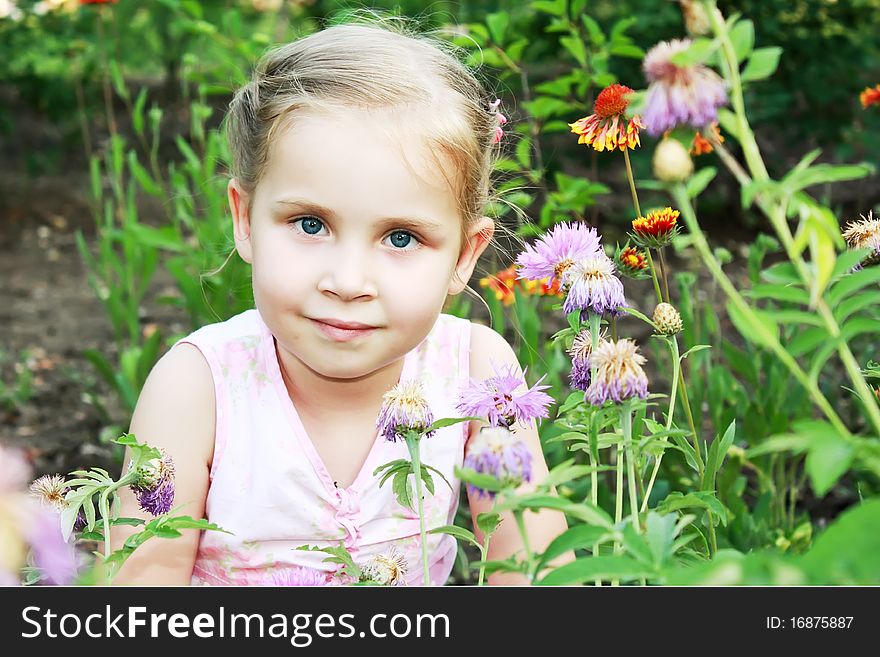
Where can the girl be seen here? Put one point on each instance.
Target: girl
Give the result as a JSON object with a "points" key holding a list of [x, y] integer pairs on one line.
{"points": [[361, 159]]}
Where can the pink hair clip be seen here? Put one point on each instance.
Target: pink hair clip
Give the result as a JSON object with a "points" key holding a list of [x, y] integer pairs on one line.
{"points": [[493, 107]]}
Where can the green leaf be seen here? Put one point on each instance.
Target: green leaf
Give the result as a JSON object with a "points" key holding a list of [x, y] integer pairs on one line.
{"points": [[660, 535], [699, 51], [449, 421], [583, 511], [137, 116], [695, 349], [436, 471], [576, 47], [854, 304], [167, 532], [791, 294], [699, 181], [400, 486], [807, 341], [457, 532], [743, 37], [825, 173], [694, 500], [487, 523], [133, 522], [593, 29], [762, 64], [848, 552], [88, 508], [574, 538], [574, 399], [641, 316], [851, 283], [564, 473], [552, 7], [830, 456], [497, 24], [591, 568], [751, 332], [717, 452], [784, 442]]}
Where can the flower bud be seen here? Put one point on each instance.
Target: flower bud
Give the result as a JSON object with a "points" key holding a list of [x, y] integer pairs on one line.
{"points": [[672, 163], [667, 319], [696, 20]]}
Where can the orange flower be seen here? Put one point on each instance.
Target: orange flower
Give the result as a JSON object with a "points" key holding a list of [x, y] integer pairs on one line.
{"points": [[607, 127], [657, 229], [502, 285], [870, 96], [505, 282], [701, 146]]}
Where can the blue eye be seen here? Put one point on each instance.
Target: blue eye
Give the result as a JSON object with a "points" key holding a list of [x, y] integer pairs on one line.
{"points": [[310, 225], [400, 238]]}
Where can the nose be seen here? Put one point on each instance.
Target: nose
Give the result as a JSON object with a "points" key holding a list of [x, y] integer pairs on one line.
{"points": [[348, 274]]}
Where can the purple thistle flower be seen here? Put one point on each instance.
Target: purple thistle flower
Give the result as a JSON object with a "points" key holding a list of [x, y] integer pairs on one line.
{"points": [[593, 287], [557, 251], [15, 471], [404, 408], [154, 486], [495, 451], [619, 373], [496, 398], [679, 94], [298, 576], [155, 501], [580, 352], [55, 557]]}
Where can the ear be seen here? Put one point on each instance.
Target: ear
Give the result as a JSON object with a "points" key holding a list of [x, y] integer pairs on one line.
{"points": [[478, 237], [239, 202]]}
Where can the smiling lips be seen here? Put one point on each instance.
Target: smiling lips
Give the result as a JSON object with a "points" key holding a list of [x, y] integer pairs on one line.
{"points": [[341, 331]]}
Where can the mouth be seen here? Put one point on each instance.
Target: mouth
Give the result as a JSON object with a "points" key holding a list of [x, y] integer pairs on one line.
{"points": [[340, 331]]}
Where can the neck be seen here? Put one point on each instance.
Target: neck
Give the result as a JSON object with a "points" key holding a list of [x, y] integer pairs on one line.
{"points": [[317, 395]]}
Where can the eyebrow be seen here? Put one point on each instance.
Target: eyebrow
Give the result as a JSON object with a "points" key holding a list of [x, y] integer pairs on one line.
{"points": [[406, 222]]}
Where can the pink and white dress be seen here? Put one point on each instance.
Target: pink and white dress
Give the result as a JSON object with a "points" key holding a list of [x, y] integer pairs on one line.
{"points": [[270, 488]]}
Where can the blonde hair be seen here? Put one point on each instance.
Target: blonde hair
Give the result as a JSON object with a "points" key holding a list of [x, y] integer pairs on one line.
{"points": [[373, 62]]}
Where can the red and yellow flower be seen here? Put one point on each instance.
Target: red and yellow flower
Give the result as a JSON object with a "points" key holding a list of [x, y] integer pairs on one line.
{"points": [[870, 96], [632, 262], [607, 127], [657, 229], [505, 282]]}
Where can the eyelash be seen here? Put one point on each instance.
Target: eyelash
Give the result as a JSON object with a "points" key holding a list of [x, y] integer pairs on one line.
{"points": [[294, 222]]}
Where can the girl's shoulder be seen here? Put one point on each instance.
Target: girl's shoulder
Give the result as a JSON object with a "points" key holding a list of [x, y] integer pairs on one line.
{"points": [[242, 328]]}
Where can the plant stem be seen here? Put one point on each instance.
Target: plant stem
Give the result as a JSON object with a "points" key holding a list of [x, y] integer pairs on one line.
{"points": [[521, 523], [105, 75], [618, 502], [635, 199], [626, 427], [484, 552], [745, 135], [663, 270], [594, 476], [412, 442], [766, 337], [676, 365]]}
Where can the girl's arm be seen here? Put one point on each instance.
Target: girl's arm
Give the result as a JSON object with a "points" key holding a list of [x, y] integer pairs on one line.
{"points": [[175, 411], [488, 346]]}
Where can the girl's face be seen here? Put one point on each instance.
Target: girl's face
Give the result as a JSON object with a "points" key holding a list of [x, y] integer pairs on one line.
{"points": [[349, 225]]}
